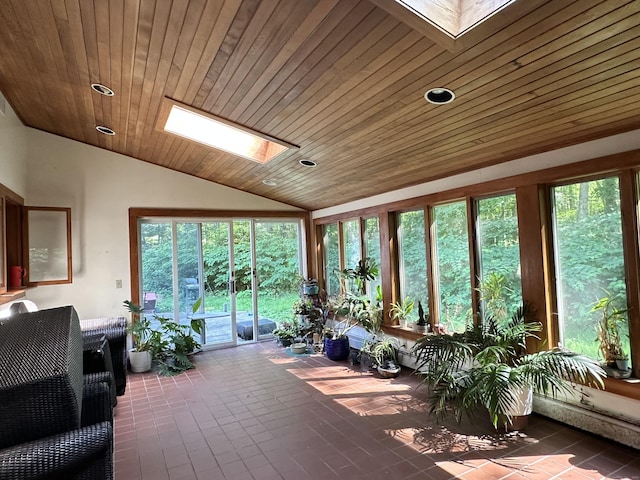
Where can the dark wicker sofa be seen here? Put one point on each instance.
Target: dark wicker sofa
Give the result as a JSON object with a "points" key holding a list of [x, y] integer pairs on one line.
{"points": [[56, 423]]}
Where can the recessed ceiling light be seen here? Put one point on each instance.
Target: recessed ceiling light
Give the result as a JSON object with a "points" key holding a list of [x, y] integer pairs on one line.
{"points": [[439, 96], [102, 89], [307, 163], [105, 130], [269, 183]]}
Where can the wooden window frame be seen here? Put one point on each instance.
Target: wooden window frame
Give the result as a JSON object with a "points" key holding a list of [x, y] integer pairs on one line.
{"points": [[536, 253]]}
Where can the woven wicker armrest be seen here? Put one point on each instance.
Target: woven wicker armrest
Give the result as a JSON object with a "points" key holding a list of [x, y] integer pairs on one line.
{"points": [[96, 402], [82, 454]]}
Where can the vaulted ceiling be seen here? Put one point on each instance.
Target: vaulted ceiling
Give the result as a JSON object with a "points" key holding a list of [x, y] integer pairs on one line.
{"points": [[343, 80]]}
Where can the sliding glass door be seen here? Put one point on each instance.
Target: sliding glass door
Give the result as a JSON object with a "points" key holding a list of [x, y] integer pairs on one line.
{"points": [[244, 272], [278, 271]]}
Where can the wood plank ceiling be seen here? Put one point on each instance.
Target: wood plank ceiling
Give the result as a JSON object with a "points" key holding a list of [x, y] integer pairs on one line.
{"points": [[342, 79]]}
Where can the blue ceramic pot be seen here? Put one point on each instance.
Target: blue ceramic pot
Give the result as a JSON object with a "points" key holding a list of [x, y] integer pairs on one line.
{"points": [[337, 349]]}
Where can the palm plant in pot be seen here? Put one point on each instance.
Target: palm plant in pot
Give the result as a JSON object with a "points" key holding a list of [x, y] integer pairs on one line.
{"points": [[487, 366]]}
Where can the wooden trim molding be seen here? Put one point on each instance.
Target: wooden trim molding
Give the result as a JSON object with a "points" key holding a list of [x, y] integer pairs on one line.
{"points": [[629, 388], [136, 213], [631, 249]]}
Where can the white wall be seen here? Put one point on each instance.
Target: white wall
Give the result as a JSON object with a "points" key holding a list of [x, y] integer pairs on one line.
{"points": [[12, 150], [100, 187]]}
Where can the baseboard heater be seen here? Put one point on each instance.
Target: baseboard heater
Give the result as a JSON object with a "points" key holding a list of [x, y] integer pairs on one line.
{"points": [[621, 431]]}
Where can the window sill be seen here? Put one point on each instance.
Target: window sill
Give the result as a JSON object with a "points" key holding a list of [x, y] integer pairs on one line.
{"points": [[398, 331]]}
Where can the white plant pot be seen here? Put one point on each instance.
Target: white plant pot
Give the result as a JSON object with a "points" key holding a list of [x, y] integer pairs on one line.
{"points": [[524, 403], [140, 361], [299, 348], [517, 418], [622, 364]]}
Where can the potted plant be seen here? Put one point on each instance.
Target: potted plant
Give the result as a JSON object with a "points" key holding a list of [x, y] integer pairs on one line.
{"points": [[170, 347], [286, 332], [401, 311], [422, 324], [354, 309], [487, 366], [608, 329], [622, 362], [305, 311], [177, 347], [365, 271], [144, 339], [384, 353]]}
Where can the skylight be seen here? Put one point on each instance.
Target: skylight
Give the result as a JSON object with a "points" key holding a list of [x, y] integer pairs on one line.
{"points": [[219, 133], [454, 17]]}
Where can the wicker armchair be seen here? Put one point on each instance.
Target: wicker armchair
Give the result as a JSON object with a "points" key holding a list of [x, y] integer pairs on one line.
{"points": [[82, 454], [85, 453], [115, 329], [56, 423]]}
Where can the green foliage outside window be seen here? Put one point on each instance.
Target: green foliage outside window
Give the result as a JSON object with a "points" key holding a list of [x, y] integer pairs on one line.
{"points": [[372, 250], [331, 258], [277, 265], [589, 258], [499, 253], [412, 252], [454, 272]]}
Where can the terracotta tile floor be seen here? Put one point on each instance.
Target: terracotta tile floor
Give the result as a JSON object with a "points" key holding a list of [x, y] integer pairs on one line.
{"points": [[254, 412]]}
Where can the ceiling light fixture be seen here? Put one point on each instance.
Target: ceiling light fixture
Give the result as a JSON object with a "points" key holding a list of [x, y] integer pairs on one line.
{"points": [[105, 130], [216, 132], [305, 162], [439, 96], [102, 89], [269, 183]]}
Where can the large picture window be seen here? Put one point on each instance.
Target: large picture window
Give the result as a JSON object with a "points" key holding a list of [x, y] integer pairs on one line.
{"points": [[331, 249], [499, 255], [589, 259], [372, 250], [453, 272], [412, 258]]}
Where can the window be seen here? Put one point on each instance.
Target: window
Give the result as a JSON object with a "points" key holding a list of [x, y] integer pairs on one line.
{"points": [[588, 258], [499, 255], [351, 248], [331, 249], [246, 272], [412, 258], [372, 250], [453, 272]]}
